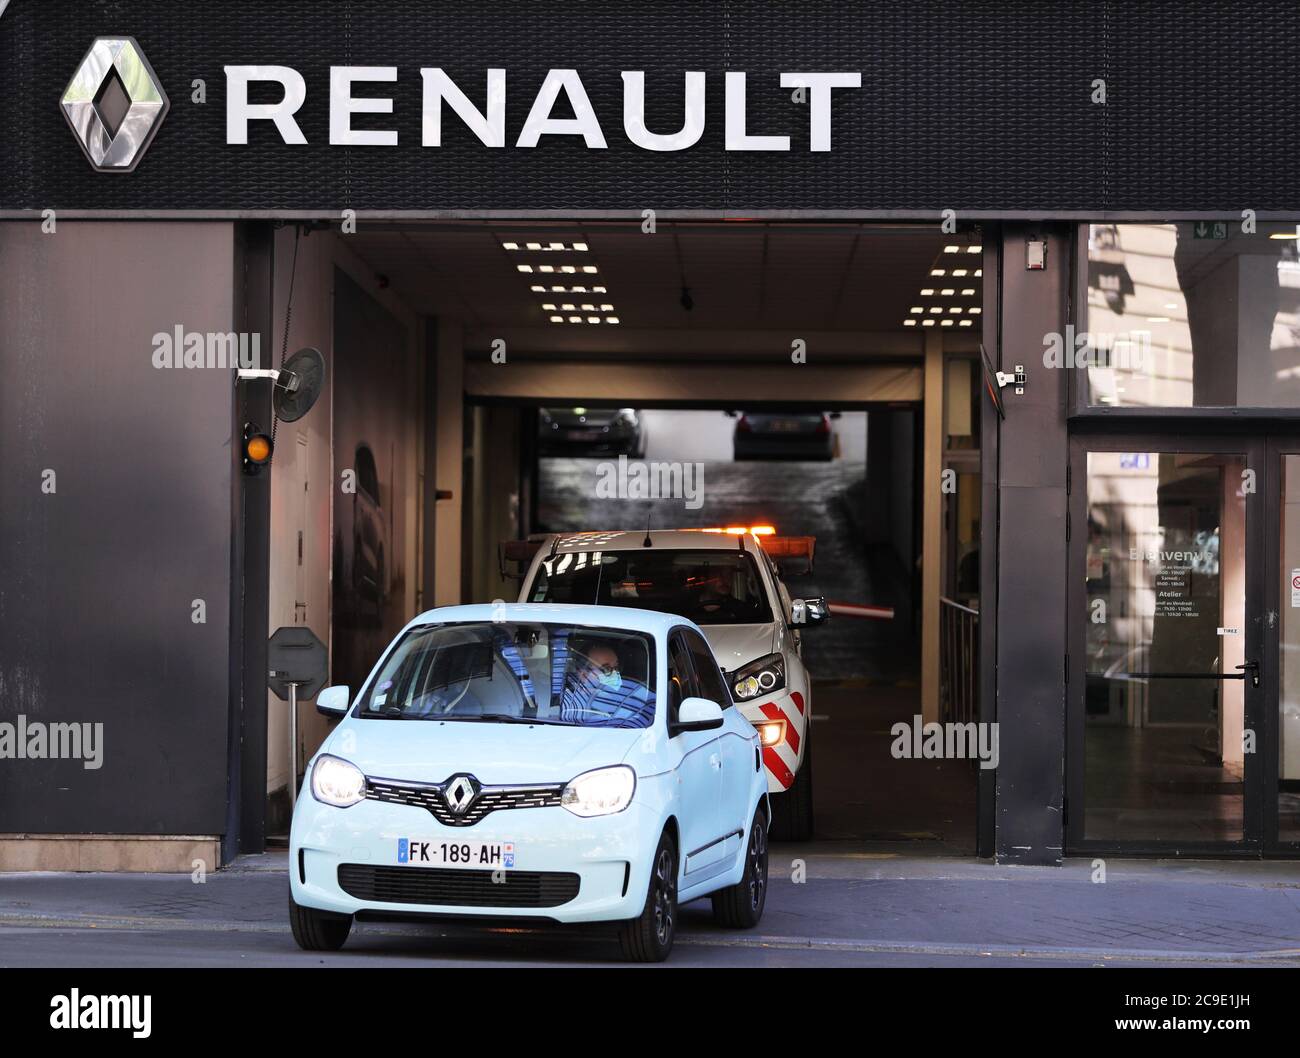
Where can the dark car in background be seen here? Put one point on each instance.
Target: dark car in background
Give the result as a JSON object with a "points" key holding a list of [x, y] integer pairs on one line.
{"points": [[591, 431], [784, 435]]}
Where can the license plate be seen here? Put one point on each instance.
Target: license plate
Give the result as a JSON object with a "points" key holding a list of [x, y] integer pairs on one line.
{"points": [[785, 426], [482, 855], [583, 435]]}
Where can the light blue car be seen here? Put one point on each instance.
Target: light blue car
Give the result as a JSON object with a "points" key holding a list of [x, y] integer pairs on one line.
{"points": [[534, 761]]}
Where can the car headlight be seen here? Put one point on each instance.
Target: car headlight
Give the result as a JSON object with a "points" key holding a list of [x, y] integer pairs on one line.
{"points": [[601, 792], [770, 731], [758, 677], [337, 782]]}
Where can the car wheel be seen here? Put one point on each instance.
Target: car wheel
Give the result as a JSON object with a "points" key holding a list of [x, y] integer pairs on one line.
{"points": [[649, 936], [792, 810], [740, 906], [318, 930]]}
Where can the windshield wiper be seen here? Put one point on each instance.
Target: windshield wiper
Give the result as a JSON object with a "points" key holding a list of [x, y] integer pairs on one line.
{"points": [[507, 718]]}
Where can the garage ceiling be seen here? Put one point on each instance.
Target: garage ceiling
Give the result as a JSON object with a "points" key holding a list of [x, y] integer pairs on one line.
{"points": [[843, 287]]}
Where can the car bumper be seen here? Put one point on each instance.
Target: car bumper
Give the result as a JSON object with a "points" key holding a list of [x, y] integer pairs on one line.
{"points": [[782, 760], [610, 855], [780, 446]]}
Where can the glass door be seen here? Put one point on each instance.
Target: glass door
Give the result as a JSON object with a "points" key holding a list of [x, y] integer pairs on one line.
{"points": [[1280, 751], [1165, 682]]}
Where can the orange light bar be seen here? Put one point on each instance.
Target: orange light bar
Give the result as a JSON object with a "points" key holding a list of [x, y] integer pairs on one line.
{"points": [[741, 530]]}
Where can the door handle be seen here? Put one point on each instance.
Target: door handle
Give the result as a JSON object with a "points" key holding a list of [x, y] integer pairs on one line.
{"points": [[715, 761], [1250, 668]]}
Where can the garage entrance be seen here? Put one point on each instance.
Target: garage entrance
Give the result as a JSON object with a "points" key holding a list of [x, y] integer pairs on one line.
{"points": [[840, 362]]}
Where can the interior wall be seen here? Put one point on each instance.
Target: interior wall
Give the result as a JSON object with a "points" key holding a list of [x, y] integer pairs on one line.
{"points": [[305, 475], [494, 489]]}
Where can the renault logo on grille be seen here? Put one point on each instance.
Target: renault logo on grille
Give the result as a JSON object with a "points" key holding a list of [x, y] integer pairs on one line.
{"points": [[460, 793], [114, 104]]}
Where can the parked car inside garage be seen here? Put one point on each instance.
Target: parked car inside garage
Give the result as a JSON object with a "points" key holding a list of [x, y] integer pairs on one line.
{"points": [[591, 431], [784, 435]]}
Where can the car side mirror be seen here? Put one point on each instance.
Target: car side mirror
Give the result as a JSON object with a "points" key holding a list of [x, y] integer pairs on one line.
{"points": [[333, 701], [696, 714], [809, 611]]}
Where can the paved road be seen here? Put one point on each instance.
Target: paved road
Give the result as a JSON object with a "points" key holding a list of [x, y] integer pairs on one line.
{"points": [[853, 907]]}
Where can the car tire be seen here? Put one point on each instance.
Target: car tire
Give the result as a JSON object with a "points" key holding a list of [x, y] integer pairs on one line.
{"points": [[649, 936], [792, 810], [318, 930], [740, 906]]}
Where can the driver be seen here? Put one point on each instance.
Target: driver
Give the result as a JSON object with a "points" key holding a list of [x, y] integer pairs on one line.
{"points": [[716, 595], [597, 675]]}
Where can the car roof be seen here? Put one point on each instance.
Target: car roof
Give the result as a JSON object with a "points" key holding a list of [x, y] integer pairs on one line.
{"points": [[651, 622], [667, 539]]}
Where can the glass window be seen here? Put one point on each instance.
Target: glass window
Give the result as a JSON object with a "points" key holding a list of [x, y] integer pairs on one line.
{"points": [[706, 670], [707, 586], [1165, 619], [516, 673], [1288, 794], [1187, 315], [681, 683]]}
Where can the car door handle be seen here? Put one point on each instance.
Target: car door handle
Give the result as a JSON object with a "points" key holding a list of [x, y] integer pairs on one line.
{"points": [[715, 761]]}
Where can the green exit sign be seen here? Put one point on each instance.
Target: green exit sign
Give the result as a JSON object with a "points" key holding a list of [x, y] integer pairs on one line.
{"points": [[1210, 229]]}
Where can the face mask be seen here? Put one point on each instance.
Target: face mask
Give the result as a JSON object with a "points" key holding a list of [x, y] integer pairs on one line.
{"points": [[611, 681]]}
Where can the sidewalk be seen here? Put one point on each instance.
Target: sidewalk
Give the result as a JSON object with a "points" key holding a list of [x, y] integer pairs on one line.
{"points": [[853, 906]]}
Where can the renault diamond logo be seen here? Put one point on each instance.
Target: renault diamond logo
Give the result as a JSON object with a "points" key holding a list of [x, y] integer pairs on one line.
{"points": [[460, 793], [114, 104]]}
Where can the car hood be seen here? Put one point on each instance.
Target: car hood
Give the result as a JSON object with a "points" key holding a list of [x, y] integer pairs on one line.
{"points": [[736, 645], [432, 751]]}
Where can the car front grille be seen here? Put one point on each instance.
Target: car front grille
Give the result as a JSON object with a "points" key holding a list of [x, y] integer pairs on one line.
{"points": [[451, 887], [490, 799]]}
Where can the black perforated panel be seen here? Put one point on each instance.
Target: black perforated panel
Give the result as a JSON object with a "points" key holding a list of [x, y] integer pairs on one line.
{"points": [[964, 105]]}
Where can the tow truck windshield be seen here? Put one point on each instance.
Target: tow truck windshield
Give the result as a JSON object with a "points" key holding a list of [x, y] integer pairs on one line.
{"points": [[707, 586]]}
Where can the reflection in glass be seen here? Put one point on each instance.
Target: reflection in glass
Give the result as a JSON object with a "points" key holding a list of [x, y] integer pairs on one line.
{"points": [[1194, 314], [1165, 579], [1288, 793]]}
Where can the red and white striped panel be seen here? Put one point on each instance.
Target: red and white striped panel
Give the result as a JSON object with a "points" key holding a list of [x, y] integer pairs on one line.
{"points": [[782, 759]]}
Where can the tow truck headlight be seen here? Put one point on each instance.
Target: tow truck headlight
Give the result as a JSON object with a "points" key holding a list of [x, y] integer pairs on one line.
{"points": [[758, 677], [337, 782], [601, 792], [770, 732]]}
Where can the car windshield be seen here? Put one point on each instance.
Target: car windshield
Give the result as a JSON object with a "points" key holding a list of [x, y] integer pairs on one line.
{"points": [[707, 586], [499, 672]]}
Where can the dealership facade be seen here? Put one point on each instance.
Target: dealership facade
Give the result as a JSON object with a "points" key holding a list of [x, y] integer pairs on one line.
{"points": [[1057, 244]]}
